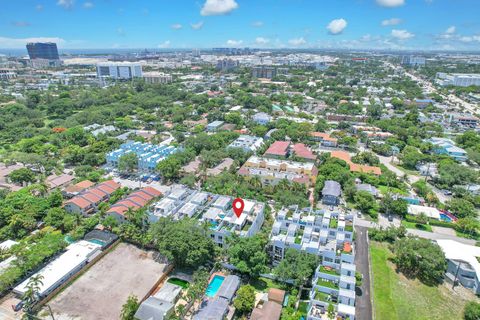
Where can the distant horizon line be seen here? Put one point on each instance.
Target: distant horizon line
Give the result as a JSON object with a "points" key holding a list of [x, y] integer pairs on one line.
{"points": [[256, 48]]}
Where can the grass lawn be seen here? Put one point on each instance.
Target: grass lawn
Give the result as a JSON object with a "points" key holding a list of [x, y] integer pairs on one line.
{"points": [[399, 298], [418, 226], [303, 308], [263, 284], [385, 190]]}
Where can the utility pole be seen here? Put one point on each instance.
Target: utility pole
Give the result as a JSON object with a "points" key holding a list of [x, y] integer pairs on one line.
{"points": [[456, 274]]}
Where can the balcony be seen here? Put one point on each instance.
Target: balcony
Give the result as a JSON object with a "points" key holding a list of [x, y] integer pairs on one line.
{"points": [[327, 284], [328, 270]]}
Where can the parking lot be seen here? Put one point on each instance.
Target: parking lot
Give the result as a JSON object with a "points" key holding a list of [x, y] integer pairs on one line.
{"points": [[105, 287]]}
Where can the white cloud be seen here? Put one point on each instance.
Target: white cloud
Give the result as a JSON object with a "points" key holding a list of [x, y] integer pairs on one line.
{"points": [[88, 5], [451, 30], [66, 4], [39, 7], [165, 44], [218, 7], [234, 43], [197, 26], [261, 41], [402, 34], [121, 32], [296, 42], [21, 23], [469, 39], [257, 24], [337, 26], [391, 22], [16, 43], [390, 3], [176, 26]]}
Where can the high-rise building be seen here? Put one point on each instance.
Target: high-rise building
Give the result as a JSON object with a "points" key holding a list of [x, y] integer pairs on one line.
{"points": [[43, 50], [119, 70], [227, 65], [413, 60]]}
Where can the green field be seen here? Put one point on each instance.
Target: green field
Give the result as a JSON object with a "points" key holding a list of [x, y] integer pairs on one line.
{"points": [[418, 226], [396, 297]]}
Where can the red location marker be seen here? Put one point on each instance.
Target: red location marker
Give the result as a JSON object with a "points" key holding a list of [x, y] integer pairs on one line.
{"points": [[238, 206]]}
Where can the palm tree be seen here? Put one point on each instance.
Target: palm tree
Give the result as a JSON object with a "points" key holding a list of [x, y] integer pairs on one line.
{"points": [[32, 294]]}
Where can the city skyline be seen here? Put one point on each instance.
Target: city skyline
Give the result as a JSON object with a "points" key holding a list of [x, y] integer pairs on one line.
{"points": [[362, 24]]}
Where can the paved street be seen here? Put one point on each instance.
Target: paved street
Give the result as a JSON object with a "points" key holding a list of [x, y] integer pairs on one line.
{"points": [[383, 222], [363, 301]]}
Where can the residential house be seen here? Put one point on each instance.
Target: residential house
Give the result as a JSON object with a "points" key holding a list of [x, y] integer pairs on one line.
{"points": [[262, 118], [462, 263], [331, 193], [161, 305], [324, 138], [134, 201], [448, 147], [247, 143], [214, 126], [87, 202]]}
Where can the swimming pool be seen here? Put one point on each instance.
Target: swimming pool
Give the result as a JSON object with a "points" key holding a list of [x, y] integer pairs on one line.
{"points": [[214, 285], [445, 218]]}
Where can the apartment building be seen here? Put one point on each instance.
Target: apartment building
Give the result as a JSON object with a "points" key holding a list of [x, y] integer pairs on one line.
{"points": [[213, 209], [272, 171], [324, 138], [157, 77], [119, 70], [328, 234], [247, 143], [148, 155]]}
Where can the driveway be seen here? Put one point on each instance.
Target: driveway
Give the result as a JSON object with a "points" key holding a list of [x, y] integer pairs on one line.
{"points": [[363, 307]]}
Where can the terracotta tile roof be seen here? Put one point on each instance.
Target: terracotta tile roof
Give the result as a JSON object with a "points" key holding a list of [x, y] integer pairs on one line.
{"points": [[90, 196], [79, 202], [98, 192], [276, 295], [135, 200], [106, 189], [278, 148], [302, 151], [85, 184], [152, 191]]}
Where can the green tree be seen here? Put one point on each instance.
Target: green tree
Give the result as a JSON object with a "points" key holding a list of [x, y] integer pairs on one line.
{"points": [[245, 299], [22, 175], [296, 265], [248, 254], [420, 258], [471, 311], [128, 162], [364, 201], [129, 308], [461, 208], [331, 311], [32, 295], [184, 242]]}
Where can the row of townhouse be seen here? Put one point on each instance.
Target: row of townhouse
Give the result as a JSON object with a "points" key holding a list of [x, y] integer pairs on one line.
{"points": [[148, 155], [329, 235], [134, 201], [213, 209], [272, 171], [87, 202], [447, 147]]}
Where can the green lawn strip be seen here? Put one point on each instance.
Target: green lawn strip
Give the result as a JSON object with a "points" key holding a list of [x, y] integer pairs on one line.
{"points": [[418, 226], [397, 297]]}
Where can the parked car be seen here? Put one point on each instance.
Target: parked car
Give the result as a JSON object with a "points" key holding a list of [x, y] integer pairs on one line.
{"points": [[447, 192], [390, 218]]}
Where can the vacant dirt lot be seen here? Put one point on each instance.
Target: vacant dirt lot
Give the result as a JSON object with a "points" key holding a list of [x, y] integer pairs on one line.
{"points": [[102, 290]]}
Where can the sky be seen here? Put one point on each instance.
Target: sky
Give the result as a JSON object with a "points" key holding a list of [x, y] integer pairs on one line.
{"points": [[349, 24]]}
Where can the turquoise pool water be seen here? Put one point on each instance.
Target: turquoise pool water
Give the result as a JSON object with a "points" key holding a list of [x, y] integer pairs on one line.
{"points": [[96, 241], [214, 285]]}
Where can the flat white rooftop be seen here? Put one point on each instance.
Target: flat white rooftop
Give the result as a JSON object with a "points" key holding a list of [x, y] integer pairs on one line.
{"points": [[53, 273]]}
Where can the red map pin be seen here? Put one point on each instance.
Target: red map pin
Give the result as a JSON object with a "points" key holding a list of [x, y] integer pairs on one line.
{"points": [[238, 206]]}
